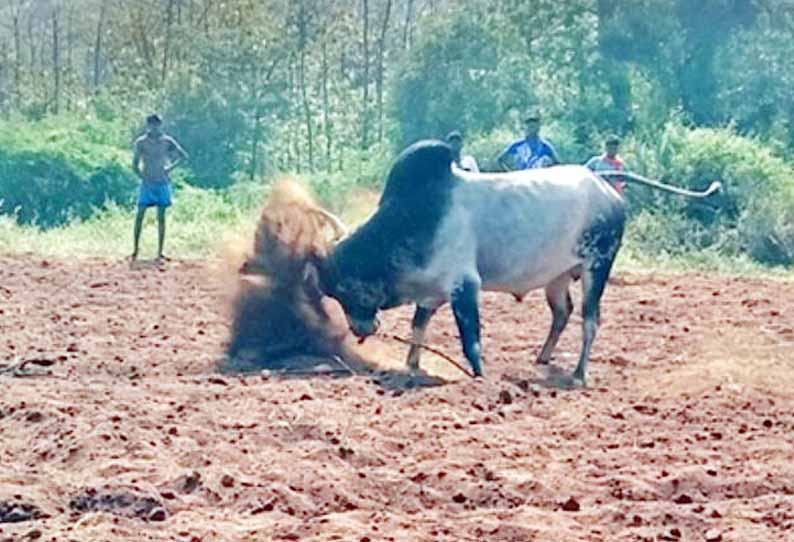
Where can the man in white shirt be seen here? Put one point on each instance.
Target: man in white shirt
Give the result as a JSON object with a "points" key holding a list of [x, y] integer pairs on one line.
{"points": [[464, 161]]}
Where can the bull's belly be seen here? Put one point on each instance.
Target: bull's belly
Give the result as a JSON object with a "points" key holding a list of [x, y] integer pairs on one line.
{"points": [[507, 274], [519, 279]]}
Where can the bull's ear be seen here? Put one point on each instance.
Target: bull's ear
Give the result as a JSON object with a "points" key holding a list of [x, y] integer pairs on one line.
{"points": [[311, 275], [311, 282], [316, 274]]}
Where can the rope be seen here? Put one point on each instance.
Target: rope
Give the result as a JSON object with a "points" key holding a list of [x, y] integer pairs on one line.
{"points": [[434, 351]]}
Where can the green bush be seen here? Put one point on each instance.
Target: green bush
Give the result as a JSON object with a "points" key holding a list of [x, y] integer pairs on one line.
{"points": [[757, 198], [61, 168], [211, 129], [655, 232], [767, 228]]}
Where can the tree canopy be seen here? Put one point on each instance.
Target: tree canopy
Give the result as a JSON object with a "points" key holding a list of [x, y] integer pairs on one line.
{"points": [[262, 85]]}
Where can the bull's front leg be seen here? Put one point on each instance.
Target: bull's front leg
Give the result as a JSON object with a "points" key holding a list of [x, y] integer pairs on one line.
{"points": [[465, 301], [422, 317]]}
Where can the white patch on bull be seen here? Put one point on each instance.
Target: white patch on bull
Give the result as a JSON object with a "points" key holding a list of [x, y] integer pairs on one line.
{"points": [[513, 232]]}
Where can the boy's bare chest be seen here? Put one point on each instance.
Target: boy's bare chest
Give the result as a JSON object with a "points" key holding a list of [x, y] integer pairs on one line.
{"points": [[154, 149]]}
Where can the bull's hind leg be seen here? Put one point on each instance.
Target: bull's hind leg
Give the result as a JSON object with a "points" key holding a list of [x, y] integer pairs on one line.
{"points": [[594, 279], [561, 306], [598, 246], [422, 317]]}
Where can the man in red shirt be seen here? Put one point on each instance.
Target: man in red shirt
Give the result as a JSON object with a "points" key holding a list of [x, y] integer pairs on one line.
{"points": [[609, 161]]}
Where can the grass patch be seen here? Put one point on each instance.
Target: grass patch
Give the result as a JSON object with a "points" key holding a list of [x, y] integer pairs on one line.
{"points": [[202, 221], [196, 225]]}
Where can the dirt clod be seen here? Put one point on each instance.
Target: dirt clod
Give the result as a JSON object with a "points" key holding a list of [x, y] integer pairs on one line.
{"points": [[571, 505], [122, 502], [16, 512], [189, 483]]}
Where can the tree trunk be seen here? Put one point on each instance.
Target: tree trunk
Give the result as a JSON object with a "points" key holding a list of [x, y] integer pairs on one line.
{"points": [[17, 62], [69, 68], [169, 19], [144, 47], [294, 124], [365, 97], [204, 18], [408, 26], [98, 44], [326, 107], [31, 45], [4, 63], [616, 71], [56, 62], [257, 137], [306, 110], [69, 38], [379, 83], [303, 35]]}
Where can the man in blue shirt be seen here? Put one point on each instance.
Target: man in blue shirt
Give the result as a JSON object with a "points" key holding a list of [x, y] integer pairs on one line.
{"points": [[530, 152]]}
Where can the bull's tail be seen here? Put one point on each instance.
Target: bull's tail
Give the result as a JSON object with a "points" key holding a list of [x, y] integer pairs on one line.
{"points": [[639, 179]]}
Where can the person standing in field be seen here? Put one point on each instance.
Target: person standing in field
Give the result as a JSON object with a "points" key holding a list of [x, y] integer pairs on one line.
{"points": [[464, 161], [159, 153], [609, 161], [530, 152]]}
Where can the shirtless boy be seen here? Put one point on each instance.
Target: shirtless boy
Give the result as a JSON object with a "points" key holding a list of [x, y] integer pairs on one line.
{"points": [[156, 150]]}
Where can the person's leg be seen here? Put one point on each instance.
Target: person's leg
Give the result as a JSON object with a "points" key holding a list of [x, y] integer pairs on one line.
{"points": [[160, 232], [136, 232]]}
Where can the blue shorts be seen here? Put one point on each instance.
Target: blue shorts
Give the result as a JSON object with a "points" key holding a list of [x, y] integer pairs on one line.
{"points": [[154, 194]]}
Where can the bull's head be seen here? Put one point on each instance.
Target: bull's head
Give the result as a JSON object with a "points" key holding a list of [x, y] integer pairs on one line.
{"points": [[339, 275], [361, 300]]}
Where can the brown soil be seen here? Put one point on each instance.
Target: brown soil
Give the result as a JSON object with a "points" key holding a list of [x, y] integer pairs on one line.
{"points": [[118, 427]]}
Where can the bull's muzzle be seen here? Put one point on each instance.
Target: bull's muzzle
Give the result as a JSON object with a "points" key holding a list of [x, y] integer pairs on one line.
{"points": [[363, 328]]}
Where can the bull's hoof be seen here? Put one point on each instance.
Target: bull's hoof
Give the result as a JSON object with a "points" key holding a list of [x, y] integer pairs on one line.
{"points": [[542, 361], [578, 381]]}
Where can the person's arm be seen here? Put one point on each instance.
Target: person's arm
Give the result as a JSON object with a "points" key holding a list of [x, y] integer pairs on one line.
{"points": [[501, 159], [553, 154], [181, 155], [136, 160], [591, 163], [473, 166]]}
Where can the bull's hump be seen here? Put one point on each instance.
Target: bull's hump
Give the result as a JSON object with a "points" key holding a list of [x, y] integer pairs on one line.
{"points": [[399, 236]]}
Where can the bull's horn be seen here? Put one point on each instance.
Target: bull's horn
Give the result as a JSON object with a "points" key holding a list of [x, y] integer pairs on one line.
{"points": [[340, 230]]}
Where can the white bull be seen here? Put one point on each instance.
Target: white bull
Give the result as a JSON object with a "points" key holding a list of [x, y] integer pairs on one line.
{"points": [[442, 235]]}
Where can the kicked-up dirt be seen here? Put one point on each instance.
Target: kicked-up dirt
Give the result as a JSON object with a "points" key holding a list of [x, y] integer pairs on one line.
{"points": [[116, 425]]}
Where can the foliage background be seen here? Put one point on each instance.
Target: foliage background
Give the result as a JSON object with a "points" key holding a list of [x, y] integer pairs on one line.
{"points": [[331, 91]]}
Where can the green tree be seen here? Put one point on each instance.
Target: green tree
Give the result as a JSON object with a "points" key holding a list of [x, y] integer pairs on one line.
{"points": [[446, 81]]}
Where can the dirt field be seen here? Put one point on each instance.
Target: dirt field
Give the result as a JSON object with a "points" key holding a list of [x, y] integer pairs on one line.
{"points": [[122, 429]]}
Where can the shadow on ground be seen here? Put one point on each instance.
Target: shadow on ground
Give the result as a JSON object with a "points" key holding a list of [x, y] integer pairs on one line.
{"points": [[306, 367]]}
